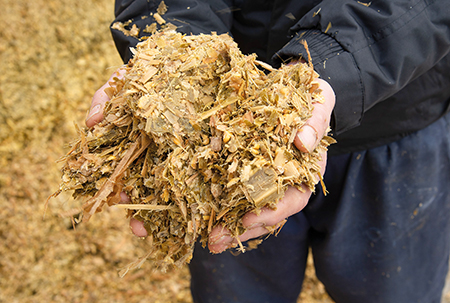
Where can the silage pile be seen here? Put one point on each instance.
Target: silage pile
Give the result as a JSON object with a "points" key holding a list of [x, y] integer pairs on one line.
{"points": [[197, 135]]}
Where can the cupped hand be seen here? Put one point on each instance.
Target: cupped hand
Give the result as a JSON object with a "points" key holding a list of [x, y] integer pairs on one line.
{"points": [[308, 137], [95, 115]]}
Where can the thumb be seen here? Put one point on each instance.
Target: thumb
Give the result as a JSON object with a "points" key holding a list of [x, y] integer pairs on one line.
{"points": [[316, 127], [99, 99]]}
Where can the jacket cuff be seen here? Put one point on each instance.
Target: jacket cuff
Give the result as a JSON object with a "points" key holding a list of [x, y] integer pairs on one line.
{"points": [[334, 65]]}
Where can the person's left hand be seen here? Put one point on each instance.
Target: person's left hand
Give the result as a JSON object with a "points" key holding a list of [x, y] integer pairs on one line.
{"points": [[308, 137]]}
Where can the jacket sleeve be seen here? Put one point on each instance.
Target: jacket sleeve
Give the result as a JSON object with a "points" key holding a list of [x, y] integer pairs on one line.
{"points": [[190, 16], [370, 51]]}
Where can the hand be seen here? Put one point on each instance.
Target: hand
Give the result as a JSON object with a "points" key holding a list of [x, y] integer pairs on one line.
{"points": [[293, 201], [95, 116]]}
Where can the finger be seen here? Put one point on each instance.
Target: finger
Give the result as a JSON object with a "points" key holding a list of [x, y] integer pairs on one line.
{"points": [[99, 99], [316, 127], [293, 201], [98, 103], [220, 239], [137, 227], [124, 199]]}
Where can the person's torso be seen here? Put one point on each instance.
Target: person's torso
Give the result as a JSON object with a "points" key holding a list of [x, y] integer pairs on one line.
{"points": [[263, 27]]}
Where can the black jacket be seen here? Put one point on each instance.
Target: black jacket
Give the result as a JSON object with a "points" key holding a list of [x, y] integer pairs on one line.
{"points": [[388, 61]]}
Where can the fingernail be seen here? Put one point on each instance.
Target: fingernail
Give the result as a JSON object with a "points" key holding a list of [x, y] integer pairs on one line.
{"points": [[221, 240], [219, 245], [308, 137], [256, 225], [94, 110]]}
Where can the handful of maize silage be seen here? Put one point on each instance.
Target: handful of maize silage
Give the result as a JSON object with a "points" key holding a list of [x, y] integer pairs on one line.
{"points": [[196, 134]]}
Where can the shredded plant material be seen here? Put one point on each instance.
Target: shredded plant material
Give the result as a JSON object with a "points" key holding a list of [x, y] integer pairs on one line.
{"points": [[197, 135]]}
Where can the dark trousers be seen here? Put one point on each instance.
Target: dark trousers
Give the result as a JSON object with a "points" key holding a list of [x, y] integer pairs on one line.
{"points": [[381, 235]]}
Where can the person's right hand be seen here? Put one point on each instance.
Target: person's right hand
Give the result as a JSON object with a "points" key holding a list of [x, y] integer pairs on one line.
{"points": [[95, 115]]}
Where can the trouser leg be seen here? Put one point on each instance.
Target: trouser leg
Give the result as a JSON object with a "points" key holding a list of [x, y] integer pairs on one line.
{"points": [[383, 233], [271, 273]]}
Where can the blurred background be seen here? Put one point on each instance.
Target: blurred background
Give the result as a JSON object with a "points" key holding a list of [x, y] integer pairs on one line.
{"points": [[55, 55]]}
